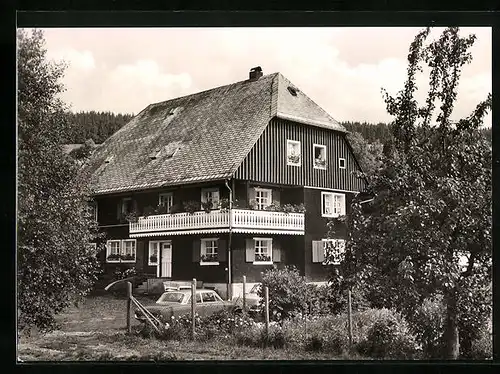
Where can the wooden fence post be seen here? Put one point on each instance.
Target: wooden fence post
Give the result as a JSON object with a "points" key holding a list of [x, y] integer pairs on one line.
{"points": [[193, 307], [349, 315], [129, 302], [244, 292], [266, 293]]}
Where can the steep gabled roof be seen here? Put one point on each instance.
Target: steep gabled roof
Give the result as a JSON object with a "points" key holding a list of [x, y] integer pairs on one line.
{"points": [[204, 136]]}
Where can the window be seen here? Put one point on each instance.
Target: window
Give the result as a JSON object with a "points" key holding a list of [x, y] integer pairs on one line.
{"points": [[319, 156], [209, 297], [166, 200], [342, 163], [334, 250], [210, 195], [263, 250], [209, 255], [113, 251], [263, 197], [332, 204], [128, 250], [121, 250], [328, 251], [126, 206], [293, 153], [154, 251]]}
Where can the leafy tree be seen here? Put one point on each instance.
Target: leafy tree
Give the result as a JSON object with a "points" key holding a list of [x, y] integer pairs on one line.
{"points": [[368, 155], [55, 264], [427, 231]]}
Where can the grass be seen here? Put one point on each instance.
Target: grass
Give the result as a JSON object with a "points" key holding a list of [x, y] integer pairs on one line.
{"points": [[96, 331]]}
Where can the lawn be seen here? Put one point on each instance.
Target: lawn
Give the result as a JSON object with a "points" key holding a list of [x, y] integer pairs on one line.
{"points": [[96, 331]]}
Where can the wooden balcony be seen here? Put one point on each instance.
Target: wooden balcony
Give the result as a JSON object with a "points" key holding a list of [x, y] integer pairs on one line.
{"points": [[218, 221]]}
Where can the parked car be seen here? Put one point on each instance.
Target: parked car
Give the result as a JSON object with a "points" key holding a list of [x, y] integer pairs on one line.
{"points": [[252, 300], [178, 302]]}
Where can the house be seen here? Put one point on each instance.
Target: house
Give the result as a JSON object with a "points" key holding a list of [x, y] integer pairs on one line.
{"points": [[224, 183]]}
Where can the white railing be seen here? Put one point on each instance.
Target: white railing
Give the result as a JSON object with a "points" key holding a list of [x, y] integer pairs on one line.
{"points": [[241, 218], [262, 219], [181, 221]]}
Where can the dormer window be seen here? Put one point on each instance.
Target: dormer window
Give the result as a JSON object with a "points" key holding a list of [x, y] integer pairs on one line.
{"points": [[293, 155], [319, 156], [154, 155]]}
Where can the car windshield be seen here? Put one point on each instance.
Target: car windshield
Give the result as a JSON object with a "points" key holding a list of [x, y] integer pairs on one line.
{"points": [[171, 297]]}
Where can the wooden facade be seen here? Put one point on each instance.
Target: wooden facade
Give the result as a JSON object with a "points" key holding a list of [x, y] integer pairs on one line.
{"points": [[267, 161]]}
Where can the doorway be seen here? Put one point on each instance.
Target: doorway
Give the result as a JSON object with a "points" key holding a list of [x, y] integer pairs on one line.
{"points": [[164, 269]]}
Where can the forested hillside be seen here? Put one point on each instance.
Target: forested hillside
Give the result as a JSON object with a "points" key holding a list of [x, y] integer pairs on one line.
{"points": [[97, 126]]}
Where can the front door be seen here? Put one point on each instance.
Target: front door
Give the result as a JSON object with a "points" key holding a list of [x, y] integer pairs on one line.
{"points": [[166, 260]]}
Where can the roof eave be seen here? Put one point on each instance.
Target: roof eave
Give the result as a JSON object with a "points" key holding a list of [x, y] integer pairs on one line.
{"points": [[307, 121], [141, 187]]}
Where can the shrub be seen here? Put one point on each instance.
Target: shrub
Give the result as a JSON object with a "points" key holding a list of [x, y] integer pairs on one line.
{"points": [[389, 337], [482, 347], [287, 292], [427, 325]]}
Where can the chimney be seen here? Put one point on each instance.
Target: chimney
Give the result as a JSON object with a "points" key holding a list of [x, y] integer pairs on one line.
{"points": [[255, 73]]}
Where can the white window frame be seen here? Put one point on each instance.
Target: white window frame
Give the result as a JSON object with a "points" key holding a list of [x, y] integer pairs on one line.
{"points": [[345, 163], [215, 203], [123, 204], [166, 199], [336, 210], [269, 250], [258, 200], [109, 252], [335, 241], [203, 250], [123, 248], [288, 154], [314, 156], [152, 245]]}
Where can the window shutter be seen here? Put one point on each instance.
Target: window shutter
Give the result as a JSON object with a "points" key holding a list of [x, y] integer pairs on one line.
{"points": [[250, 250], [321, 251], [196, 250], [251, 195], [317, 249], [275, 195], [276, 251], [222, 250]]}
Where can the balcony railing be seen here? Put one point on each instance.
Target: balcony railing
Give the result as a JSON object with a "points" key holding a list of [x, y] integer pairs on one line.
{"points": [[242, 220]]}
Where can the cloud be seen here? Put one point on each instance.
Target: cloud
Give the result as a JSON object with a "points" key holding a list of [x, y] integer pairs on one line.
{"points": [[341, 69], [81, 60]]}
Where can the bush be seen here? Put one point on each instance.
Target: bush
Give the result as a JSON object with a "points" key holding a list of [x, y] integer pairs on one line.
{"points": [[482, 347], [427, 325], [288, 292], [389, 337]]}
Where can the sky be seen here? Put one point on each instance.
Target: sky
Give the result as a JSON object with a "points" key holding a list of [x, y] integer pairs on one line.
{"points": [[342, 69]]}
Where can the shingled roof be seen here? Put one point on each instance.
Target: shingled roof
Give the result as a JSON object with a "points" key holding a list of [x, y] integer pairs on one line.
{"points": [[203, 136]]}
